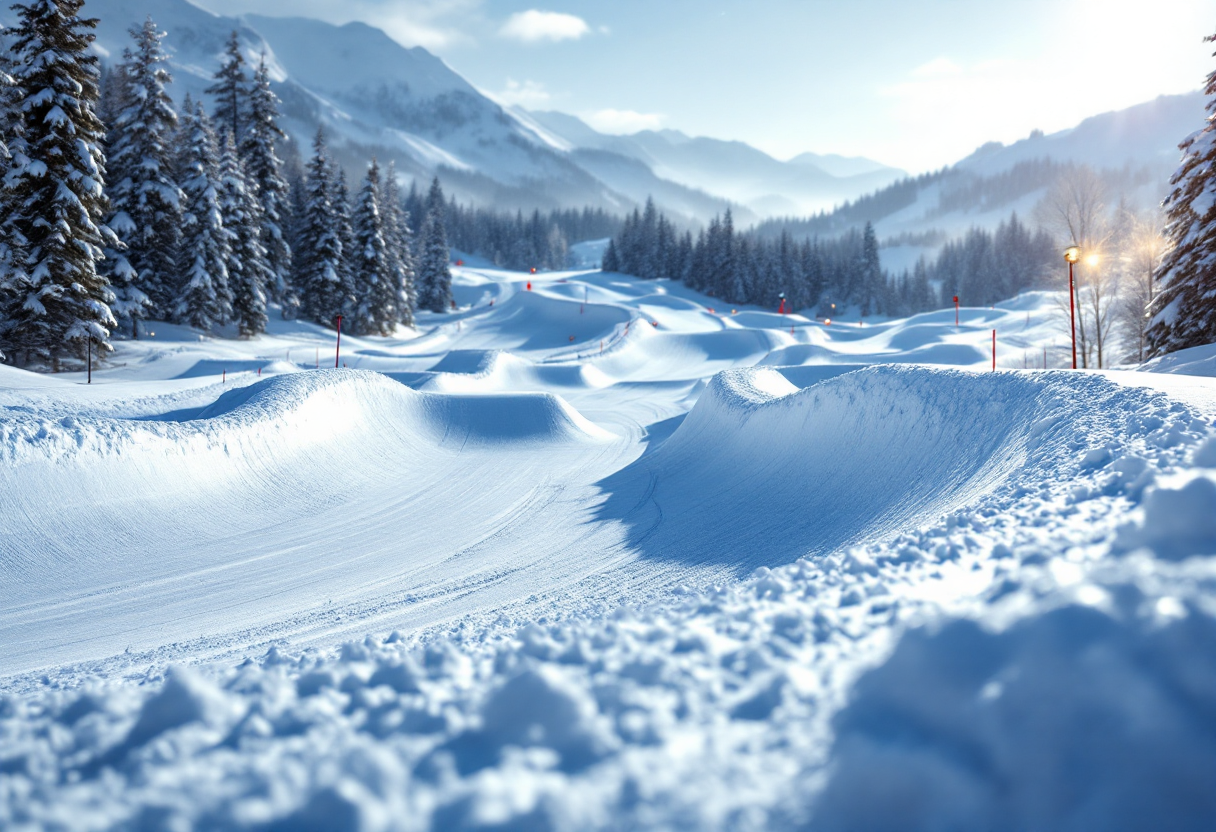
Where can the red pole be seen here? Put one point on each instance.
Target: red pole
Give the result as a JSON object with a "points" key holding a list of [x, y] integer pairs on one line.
{"points": [[994, 350], [338, 349], [956, 311], [1072, 314]]}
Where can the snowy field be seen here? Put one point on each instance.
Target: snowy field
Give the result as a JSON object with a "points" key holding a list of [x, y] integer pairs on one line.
{"points": [[598, 555]]}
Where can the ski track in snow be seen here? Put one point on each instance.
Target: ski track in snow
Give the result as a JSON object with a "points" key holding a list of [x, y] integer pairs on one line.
{"points": [[547, 565]]}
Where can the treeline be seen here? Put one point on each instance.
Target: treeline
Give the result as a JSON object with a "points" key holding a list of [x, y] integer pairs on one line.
{"points": [[117, 207], [744, 268], [820, 274], [958, 191], [984, 267], [520, 242]]}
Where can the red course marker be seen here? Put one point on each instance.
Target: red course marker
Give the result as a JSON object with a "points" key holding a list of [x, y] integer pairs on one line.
{"points": [[338, 347]]}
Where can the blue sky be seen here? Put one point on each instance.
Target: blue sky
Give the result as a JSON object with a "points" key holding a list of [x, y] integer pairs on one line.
{"points": [[916, 84]]}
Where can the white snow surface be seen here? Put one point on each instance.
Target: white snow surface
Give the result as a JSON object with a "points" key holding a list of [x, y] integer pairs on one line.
{"points": [[596, 554]]}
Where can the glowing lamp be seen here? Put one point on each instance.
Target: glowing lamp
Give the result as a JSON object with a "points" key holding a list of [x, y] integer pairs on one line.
{"points": [[1072, 254]]}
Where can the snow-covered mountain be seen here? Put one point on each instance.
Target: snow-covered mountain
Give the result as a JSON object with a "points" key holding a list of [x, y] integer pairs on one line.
{"points": [[1134, 150], [376, 97], [1143, 135], [806, 184]]}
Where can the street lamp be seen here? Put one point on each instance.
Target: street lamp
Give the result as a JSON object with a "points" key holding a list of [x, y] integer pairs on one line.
{"points": [[1072, 254]]}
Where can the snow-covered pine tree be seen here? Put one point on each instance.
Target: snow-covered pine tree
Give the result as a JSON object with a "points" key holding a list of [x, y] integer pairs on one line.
{"points": [[247, 269], [10, 106], [870, 280], [399, 238], [145, 200], [263, 168], [376, 291], [317, 263], [110, 99], [346, 236], [10, 129], [434, 276], [1183, 313], [57, 188], [205, 300], [297, 189], [609, 262], [230, 91]]}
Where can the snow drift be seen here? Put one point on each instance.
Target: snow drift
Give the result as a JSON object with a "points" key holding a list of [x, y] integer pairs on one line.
{"points": [[248, 502]]}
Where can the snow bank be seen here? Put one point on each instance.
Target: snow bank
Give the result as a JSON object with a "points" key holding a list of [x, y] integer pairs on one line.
{"points": [[847, 459], [481, 371], [1196, 361], [291, 412], [182, 529], [1077, 718]]}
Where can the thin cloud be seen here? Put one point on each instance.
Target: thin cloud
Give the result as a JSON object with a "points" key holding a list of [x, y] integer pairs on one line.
{"points": [[534, 26], [623, 121], [432, 24], [530, 95], [936, 68]]}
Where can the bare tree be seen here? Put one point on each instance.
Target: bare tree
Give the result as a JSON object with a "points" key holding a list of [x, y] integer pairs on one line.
{"points": [[1075, 211], [1141, 249]]}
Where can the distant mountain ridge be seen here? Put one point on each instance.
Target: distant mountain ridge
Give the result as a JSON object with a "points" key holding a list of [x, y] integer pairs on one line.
{"points": [[1134, 150], [806, 184]]}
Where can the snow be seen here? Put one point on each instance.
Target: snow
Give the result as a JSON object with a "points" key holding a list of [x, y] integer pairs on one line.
{"points": [[687, 569]]}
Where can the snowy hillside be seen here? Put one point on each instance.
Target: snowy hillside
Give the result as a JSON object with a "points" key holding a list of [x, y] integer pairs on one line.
{"points": [[806, 184], [1133, 151], [1147, 134], [593, 552], [377, 98]]}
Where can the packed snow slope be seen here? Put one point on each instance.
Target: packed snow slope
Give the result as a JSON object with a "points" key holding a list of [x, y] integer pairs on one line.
{"points": [[343, 489], [591, 552], [202, 505]]}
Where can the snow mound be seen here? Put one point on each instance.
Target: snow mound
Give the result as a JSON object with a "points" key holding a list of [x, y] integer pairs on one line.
{"points": [[488, 371], [953, 731], [649, 353], [532, 321], [859, 456], [939, 439], [1196, 361], [290, 412], [233, 501]]}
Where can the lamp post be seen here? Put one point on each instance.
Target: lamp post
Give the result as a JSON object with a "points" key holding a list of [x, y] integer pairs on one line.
{"points": [[1072, 254]]}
